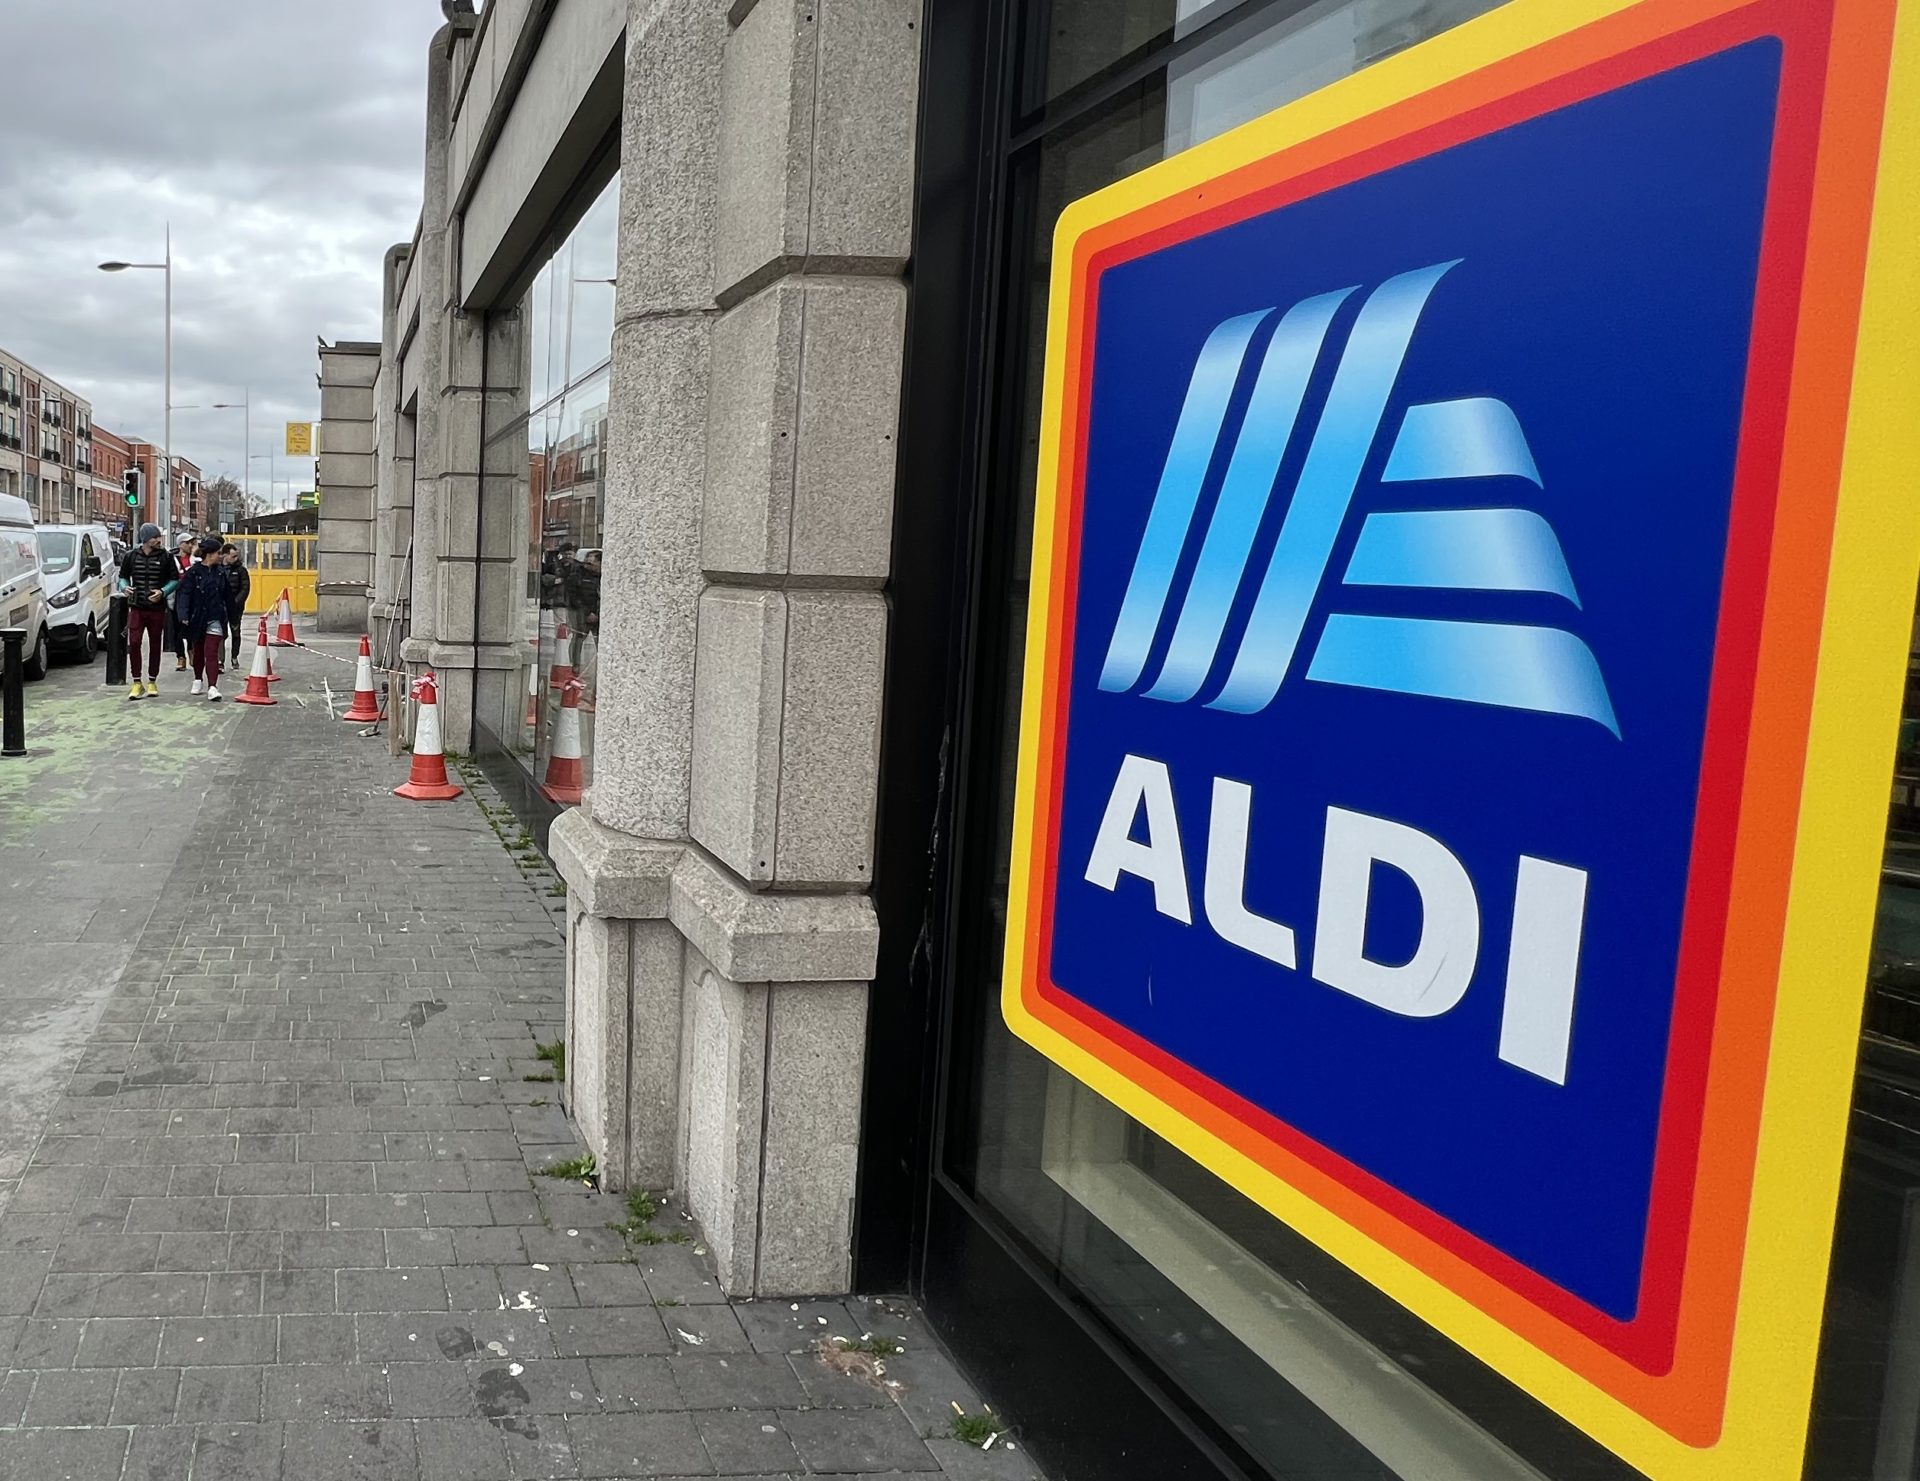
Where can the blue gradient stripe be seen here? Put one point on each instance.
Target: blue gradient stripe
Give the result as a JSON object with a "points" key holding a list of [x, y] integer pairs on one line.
{"points": [[1516, 667], [1264, 434], [1465, 549], [1355, 405], [1475, 437], [1195, 435]]}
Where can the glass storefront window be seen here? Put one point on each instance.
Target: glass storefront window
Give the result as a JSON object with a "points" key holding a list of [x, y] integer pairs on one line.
{"points": [[1277, 1350], [558, 345], [1085, 38]]}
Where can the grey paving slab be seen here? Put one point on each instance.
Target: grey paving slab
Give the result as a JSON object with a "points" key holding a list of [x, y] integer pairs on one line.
{"points": [[269, 1191]]}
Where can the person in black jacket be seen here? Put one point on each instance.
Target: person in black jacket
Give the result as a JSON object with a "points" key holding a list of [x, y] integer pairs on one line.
{"points": [[148, 575], [239, 588], [200, 607], [583, 602], [183, 561]]}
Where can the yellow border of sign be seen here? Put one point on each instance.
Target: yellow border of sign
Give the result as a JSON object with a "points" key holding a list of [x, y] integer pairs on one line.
{"points": [[1864, 644]]}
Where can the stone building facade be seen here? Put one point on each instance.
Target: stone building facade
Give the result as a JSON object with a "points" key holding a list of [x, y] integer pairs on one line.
{"points": [[700, 460], [344, 482], [722, 489]]}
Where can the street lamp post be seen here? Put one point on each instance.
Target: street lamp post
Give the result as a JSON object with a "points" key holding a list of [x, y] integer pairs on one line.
{"points": [[163, 496], [245, 407], [271, 469], [246, 438]]}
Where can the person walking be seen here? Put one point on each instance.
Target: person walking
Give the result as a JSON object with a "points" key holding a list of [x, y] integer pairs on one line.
{"points": [[583, 603], [200, 607], [239, 588], [183, 562], [148, 575]]}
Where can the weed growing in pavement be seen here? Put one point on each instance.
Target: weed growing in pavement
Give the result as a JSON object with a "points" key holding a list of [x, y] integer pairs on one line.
{"points": [[554, 1054], [980, 1429], [583, 1169], [538, 1080], [879, 1347], [638, 1229]]}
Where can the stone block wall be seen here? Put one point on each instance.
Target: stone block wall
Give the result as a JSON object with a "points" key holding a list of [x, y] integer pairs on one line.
{"points": [[347, 481], [721, 938]]}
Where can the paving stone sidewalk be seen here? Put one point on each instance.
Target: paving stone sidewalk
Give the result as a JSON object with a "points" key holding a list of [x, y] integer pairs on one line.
{"points": [[287, 1219]]}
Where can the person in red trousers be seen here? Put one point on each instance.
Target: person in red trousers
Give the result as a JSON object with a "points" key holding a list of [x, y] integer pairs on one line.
{"points": [[200, 608], [148, 575]]}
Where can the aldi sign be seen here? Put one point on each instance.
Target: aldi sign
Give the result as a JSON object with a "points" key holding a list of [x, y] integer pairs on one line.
{"points": [[1473, 575]]}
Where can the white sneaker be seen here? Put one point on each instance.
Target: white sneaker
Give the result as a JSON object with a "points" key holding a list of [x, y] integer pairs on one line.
{"points": [[213, 692], [199, 687]]}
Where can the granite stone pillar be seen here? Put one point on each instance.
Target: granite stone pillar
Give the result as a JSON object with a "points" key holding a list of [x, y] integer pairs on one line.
{"points": [[347, 477], [393, 472], [721, 938]]}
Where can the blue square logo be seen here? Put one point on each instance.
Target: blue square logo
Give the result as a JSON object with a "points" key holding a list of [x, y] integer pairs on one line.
{"points": [[1405, 514]]}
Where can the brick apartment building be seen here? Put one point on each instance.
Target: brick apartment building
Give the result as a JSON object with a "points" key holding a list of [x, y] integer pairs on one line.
{"points": [[112, 455], [52, 455], [46, 437], [188, 507]]}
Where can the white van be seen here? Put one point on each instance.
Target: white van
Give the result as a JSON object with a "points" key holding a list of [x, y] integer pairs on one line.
{"points": [[76, 575], [21, 602]]}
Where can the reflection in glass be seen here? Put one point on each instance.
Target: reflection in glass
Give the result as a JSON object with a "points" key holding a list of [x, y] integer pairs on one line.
{"points": [[538, 313], [560, 343], [595, 249], [1257, 64]]}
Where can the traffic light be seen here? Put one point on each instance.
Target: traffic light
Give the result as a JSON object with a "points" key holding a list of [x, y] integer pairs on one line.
{"points": [[130, 480]]}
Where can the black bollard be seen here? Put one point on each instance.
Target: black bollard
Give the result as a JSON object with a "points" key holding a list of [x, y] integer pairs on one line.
{"points": [[117, 639], [13, 693]]}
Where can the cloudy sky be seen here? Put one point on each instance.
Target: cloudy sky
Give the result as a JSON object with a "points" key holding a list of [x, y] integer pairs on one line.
{"points": [[282, 139]]}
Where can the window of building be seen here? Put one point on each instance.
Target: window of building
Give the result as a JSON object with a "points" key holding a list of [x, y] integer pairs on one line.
{"points": [[1291, 1365], [1283, 1359], [553, 355]]}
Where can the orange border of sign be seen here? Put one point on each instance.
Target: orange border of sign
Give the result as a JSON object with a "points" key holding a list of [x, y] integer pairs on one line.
{"points": [[1727, 1388]]}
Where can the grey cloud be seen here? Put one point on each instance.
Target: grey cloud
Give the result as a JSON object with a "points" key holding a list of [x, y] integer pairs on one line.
{"points": [[282, 139]]}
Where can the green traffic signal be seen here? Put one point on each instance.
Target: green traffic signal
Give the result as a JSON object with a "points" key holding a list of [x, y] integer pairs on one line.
{"points": [[133, 501]]}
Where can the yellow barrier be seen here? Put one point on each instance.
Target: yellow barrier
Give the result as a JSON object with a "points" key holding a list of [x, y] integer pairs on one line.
{"points": [[277, 562]]}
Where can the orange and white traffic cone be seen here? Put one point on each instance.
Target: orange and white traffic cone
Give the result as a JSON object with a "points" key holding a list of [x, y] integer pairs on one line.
{"points": [[427, 782], [283, 635], [272, 677], [561, 674], [533, 691], [565, 774], [256, 692], [366, 703]]}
